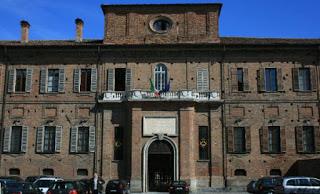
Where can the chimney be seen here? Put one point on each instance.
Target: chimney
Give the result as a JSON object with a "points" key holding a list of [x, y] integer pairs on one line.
{"points": [[25, 26], [79, 29]]}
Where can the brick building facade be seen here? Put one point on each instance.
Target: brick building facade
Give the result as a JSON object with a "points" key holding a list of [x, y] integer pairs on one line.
{"points": [[161, 97]]}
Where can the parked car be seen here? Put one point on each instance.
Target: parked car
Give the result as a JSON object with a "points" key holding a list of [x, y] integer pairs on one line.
{"points": [[298, 185], [67, 187], [20, 188], [178, 187], [32, 179], [45, 183], [266, 185], [118, 186], [252, 187], [87, 183]]}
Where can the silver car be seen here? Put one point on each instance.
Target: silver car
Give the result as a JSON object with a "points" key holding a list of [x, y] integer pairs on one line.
{"points": [[298, 185]]}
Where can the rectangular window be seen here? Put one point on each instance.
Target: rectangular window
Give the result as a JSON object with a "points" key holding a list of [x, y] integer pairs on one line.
{"points": [[16, 135], [274, 139], [49, 139], [83, 139], [240, 79], [118, 143], [53, 80], [120, 79], [204, 143], [21, 76], [239, 140], [304, 79], [308, 139], [85, 84], [271, 80]]}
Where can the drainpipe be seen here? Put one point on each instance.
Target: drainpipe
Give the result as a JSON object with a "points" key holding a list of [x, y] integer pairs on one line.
{"points": [[5, 85], [224, 165]]}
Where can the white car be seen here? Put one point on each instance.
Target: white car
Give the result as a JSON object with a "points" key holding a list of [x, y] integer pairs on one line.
{"points": [[45, 183]]}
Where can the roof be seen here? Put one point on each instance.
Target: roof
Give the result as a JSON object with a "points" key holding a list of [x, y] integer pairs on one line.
{"points": [[223, 41]]}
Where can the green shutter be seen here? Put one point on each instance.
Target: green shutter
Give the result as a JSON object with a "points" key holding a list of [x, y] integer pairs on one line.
{"points": [[58, 138], [110, 73], [61, 80], [43, 80], [29, 80], [128, 79], [40, 136], [93, 80], [76, 80], [92, 139], [74, 139], [7, 139], [11, 80], [24, 139]]}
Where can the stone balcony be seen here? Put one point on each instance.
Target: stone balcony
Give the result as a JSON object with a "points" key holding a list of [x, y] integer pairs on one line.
{"points": [[139, 95]]}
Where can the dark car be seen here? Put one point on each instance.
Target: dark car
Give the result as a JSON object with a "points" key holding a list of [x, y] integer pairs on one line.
{"points": [[32, 179], [67, 187], [178, 187], [14, 178], [266, 185], [252, 187], [20, 187], [87, 184], [117, 186]]}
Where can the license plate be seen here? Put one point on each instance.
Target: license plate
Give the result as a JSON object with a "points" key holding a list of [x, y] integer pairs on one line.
{"points": [[179, 188], [113, 190]]}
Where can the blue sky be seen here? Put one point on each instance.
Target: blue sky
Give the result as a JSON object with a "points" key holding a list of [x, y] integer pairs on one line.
{"points": [[54, 19]]}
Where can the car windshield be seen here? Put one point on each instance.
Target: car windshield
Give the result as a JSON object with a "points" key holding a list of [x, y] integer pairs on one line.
{"points": [[44, 183], [270, 181]]}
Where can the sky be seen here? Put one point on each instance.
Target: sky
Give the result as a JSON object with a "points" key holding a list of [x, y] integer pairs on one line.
{"points": [[54, 19]]}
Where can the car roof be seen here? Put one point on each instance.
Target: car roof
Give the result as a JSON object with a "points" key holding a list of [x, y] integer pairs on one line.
{"points": [[49, 178]]}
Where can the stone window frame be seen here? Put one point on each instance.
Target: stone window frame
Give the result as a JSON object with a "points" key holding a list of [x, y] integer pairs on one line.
{"points": [[159, 18]]}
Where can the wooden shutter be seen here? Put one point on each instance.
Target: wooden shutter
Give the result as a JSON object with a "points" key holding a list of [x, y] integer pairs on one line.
{"points": [[279, 79], [40, 136], [76, 80], [61, 80], [202, 80], [110, 73], [74, 140], [29, 80], [317, 138], [93, 79], [92, 138], [230, 136], [313, 79], [283, 139], [248, 139], [128, 79], [234, 80], [24, 139], [246, 79], [7, 139], [299, 139], [295, 79], [264, 139], [261, 80], [11, 80], [43, 80], [58, 138]]}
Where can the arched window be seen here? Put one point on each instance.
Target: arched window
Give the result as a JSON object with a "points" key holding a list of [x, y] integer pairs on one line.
{"points": [[160, 77], [14, 171], [240, 172]]}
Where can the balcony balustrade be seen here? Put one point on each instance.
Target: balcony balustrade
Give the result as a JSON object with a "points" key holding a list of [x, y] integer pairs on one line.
{"points": [[139, 95]]}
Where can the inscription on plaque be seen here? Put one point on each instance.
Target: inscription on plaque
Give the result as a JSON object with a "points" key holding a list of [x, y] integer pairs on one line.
{"points": [[159, 125]]}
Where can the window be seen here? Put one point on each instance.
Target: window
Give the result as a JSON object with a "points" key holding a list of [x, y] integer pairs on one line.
{"points": [[239, 140], [274, 139], [16, 135], [202, 80], [275, 172], [120, 79], [82, 172], [14, 171], [240, 172], [21, 76], [308, 139], [161, 25], [271, 79], [118, 143], [204, 143], [49, 139], [85, 84], [303, 182], [53, 80], [47, 171], [304, 79], [19, 80], [83, 139], [292, 182], [314, 182], [240, 80], [161, 77]]}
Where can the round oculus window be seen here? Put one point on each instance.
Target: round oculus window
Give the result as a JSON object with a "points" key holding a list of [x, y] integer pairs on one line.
{"points": [[161, 25]]}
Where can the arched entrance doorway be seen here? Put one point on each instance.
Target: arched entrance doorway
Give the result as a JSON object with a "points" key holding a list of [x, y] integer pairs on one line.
{"points": [[160, 164]]}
